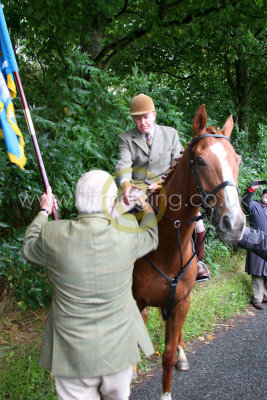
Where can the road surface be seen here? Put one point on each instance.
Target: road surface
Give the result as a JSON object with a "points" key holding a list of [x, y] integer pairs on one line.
{"points": [[232, 366]]}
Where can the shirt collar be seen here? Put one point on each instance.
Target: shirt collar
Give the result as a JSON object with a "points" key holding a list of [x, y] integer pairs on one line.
{"points": [[151, 132]]}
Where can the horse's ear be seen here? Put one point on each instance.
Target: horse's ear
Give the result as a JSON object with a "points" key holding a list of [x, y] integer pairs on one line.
{"points": [[200, 120], [228, 126]]}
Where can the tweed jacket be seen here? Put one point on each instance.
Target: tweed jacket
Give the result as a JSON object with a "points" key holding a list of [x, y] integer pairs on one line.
{"points": [[94, 326], [136, 163]]}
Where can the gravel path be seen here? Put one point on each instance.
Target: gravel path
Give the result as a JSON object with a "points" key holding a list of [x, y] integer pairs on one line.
{"points": [[232, 366]]}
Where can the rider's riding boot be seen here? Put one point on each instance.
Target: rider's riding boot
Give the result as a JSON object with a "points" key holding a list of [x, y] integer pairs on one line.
{"points": [[202, 272]]}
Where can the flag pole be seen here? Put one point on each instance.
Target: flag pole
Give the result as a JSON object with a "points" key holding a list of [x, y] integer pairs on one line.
{"points": [[33, 135], [10, 59]]}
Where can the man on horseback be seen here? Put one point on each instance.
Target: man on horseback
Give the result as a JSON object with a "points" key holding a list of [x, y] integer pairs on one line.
{"points": [[146, 153]]}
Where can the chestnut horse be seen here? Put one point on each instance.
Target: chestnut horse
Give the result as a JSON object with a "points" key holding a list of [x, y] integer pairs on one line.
{"points": [[209, 165]]}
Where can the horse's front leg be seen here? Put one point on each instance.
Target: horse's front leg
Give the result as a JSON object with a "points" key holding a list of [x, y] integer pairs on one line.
{"points": [[173, 330], [182, 363]]}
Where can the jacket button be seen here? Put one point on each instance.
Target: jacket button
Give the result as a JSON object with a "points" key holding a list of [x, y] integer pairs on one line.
{"points": [[151, 159]]}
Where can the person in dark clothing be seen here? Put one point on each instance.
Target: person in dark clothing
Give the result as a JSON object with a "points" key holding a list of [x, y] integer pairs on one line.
{"points": [[254, 240], [255, 265]]}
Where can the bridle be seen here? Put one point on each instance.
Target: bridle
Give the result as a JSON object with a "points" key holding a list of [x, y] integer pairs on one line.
{"points": [[209, 212]]}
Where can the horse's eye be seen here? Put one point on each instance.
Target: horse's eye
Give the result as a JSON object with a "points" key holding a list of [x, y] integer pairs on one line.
{"points": [[200, 162]]}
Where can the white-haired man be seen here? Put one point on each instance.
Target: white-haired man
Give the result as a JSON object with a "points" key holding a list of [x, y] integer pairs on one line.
{"points": [[94, 327]]}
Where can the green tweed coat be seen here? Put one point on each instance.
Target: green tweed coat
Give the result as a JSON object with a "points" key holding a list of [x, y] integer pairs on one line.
{"points": [[138, 164], [94, 326]]}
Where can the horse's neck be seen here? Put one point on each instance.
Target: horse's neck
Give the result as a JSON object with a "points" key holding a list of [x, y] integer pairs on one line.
{"points": [[180, 187]]}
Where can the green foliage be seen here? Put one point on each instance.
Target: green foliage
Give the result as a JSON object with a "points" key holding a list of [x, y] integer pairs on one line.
{"points": [[206, 51], [227, 296], [80, 141], [156, 328], [83, 137], [215, 251], [254, 163], [27, 282], [196, 52], [22, 378]]}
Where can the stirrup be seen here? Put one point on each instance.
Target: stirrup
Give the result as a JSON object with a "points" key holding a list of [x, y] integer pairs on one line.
{"points": [[202, 280]]}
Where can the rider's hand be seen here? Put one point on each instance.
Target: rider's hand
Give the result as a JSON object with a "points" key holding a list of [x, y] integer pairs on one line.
{"points": [[155, 186], [127, 186]]}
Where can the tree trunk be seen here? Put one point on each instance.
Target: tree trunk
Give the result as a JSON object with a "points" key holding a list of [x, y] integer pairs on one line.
{"points": [[244, 114], [243, 94], [92, 42], [96, 39]]}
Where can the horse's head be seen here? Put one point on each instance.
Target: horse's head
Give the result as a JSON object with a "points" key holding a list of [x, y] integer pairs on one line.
{"points": [[215, 165]]}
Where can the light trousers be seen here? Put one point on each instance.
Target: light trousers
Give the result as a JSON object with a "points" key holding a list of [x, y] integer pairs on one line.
{"points": [[259, 288], [107, 387]]}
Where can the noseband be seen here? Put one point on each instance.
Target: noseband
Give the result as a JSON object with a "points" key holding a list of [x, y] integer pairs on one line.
{"points": [[210, 211]]}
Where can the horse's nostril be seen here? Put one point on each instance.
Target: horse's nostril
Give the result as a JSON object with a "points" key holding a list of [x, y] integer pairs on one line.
{"points": [[227, 222]]}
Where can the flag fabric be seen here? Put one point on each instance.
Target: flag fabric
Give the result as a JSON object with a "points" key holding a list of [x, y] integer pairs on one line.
{"points": [[9, 129]]}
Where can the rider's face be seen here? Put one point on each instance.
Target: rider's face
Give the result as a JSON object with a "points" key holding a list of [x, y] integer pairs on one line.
{"points": [[144, 123]]}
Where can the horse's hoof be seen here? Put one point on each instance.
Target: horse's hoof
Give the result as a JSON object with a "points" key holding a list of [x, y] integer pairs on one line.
{"points": [[166, 396], [182, 365]]}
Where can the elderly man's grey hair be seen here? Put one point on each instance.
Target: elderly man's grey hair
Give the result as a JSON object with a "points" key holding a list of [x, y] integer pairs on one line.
{"points": [[95, 192]]}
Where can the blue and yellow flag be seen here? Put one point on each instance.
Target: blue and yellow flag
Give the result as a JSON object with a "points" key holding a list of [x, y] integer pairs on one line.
{"points": [[9, 129]]}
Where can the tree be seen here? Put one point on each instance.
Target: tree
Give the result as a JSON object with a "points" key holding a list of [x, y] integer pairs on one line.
{"points": [[218, 56], [209, 50]]}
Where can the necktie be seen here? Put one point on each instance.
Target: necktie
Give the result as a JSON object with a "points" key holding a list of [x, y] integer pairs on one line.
{"points": [[148, 140]]}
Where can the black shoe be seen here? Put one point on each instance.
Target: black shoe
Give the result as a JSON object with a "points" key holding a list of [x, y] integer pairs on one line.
{"points": [[259, 306]]}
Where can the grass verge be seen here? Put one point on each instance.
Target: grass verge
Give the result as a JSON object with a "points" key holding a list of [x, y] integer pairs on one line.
{"points": [[222, 296], [23, 379]]}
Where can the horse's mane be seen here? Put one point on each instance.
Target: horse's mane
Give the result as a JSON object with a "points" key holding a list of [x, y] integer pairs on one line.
{"points": [[166, 176], [168, 173]]}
